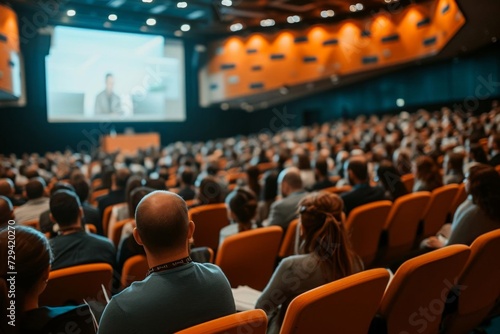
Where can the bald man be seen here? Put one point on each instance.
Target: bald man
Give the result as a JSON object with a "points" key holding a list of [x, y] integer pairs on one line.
{"points": [[177, 293], [290, 186], [6, 211], [8, 189]]}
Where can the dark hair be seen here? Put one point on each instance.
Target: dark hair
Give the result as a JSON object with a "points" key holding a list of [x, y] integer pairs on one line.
{"points": [[428, 172], [210, 191], [61, 186], [359, 169], [34, 188], [121, 177], [243, 203], [187, 176], [478, 153], [485, 190], [135, 197], [162, 228], [391, 180], [33, 258], [81, 189], [270, 189], [320, 215], [456, 162], [253, 173], [6, 210], [106, 176], [157, 184], [133, 183], [303, 162], [65, 207], [321, 166], [293, 179]]}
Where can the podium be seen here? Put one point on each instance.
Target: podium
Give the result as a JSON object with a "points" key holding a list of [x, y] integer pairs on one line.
{"points": [[130, 143]]}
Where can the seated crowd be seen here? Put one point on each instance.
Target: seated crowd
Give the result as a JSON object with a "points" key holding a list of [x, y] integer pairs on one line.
{"points": [[264, 180]]}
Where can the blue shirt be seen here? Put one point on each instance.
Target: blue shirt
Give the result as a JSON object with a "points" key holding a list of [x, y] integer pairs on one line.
{"points": [[169, 301]]}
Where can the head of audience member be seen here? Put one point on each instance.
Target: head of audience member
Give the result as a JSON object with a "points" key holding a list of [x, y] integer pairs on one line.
{"points": [[133, 182], [253, 174], [35, 188], [453, 163], [81, 188], [6, 211], [289, 181], [270, 189], [65, 210], [7, 187], [120, 178], [477, 153], [402, 161], [186, 176], [107, 177], [322, 227], [494, 144], [61, 186], [484, 187], [241, 206], [357, 170], [427, 171], [210, 191], [135, 197], [321, 169], [390, 179], [157, 184], [163, 227], [33, 258], [302, 162], [472, 169]]}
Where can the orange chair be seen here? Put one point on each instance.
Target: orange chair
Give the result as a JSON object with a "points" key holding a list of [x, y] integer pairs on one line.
{"points": [[116, 231], [364, 225], [347, 305], [252, 321], [287, 247], [409, 181], [96, 194], [460, 197], [32, 223], [480, 281], [74, 284], [91, 228], [106, 215], [497, 168], [248, 258], [234, 177], [96, 183], [402, 224], [338, 190], [437, 210], [414, 300], [134, 269], [265, 166], [209, 220]]}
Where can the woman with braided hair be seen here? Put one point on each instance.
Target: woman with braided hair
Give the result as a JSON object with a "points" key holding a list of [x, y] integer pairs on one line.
{"points": [[326, 255]]}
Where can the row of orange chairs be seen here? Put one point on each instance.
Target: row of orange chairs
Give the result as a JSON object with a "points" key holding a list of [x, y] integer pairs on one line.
{"points": [[413, 301]]}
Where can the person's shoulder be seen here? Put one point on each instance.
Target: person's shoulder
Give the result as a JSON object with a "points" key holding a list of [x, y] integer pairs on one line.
{"points": [[98, 239], [208, 268]]}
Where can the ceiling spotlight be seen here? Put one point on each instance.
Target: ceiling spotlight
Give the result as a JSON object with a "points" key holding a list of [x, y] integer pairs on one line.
{"points": [[267, 23], [112, 17], [178, 33], [227, 3], [353, 8], [182, 4], [359, 6], [185, 27], [71, 12], [236, 27], [151, 22], [327, 13], [147, 1], [293, 19], [400, 102]]}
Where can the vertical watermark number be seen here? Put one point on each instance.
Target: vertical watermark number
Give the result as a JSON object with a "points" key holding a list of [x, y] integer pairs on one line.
{"points": [[11, 273]]}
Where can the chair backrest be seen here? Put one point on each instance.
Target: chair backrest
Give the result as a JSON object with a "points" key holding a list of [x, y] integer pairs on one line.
{"points": [[265, 166], [74, 284], [346, 305], [497, 168], [91, 228], [364, 225], [438, 208], [478, 286], [409, 181], [287, 247], [415, 298], [252, 321], [403, 220], [338, 190], [209, 220], [134, 269], [96, 194], [106, 215], [460, 197], [248, 258], [35, 223], [116, 231]]}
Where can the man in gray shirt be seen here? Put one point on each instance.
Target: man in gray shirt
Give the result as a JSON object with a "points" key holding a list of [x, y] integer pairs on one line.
{"points": [[177, 293]]}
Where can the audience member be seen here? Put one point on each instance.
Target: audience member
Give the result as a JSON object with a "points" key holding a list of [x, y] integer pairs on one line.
{"points": [[46, 224], [283, 211], [186, 180], [453, 164], [73, 246], [209, 192], [427, 175], [268, 195], [388, 176], [241, 210], [253, 174], [6, 211], [117, 193], [33, 257], [90, 213], [302, 162], [326, 255], [322, 178], [362, 192], [494, 145], [177, 293], [36, 204], [8, 190]]}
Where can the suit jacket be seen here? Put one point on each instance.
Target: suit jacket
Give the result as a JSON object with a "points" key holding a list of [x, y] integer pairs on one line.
{"points": [[361, 194], [285, 210], [90, 216]]}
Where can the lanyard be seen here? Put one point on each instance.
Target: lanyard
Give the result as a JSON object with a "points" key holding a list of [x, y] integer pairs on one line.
{"points": [[170, 265]]}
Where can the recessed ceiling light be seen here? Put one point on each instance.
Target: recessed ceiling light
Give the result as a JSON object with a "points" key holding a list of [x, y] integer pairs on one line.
{"points": [[227, 3], [150, 22], [327, 13], [185, 27], [178, 33], [182, 4], [267, 23], [353, 8], [359, 6], [71, 12], [112, 17], [236, 27], [147, 1]]}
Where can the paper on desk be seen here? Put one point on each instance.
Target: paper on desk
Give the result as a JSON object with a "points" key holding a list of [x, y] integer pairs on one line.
{"points": [[245, 297]]}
